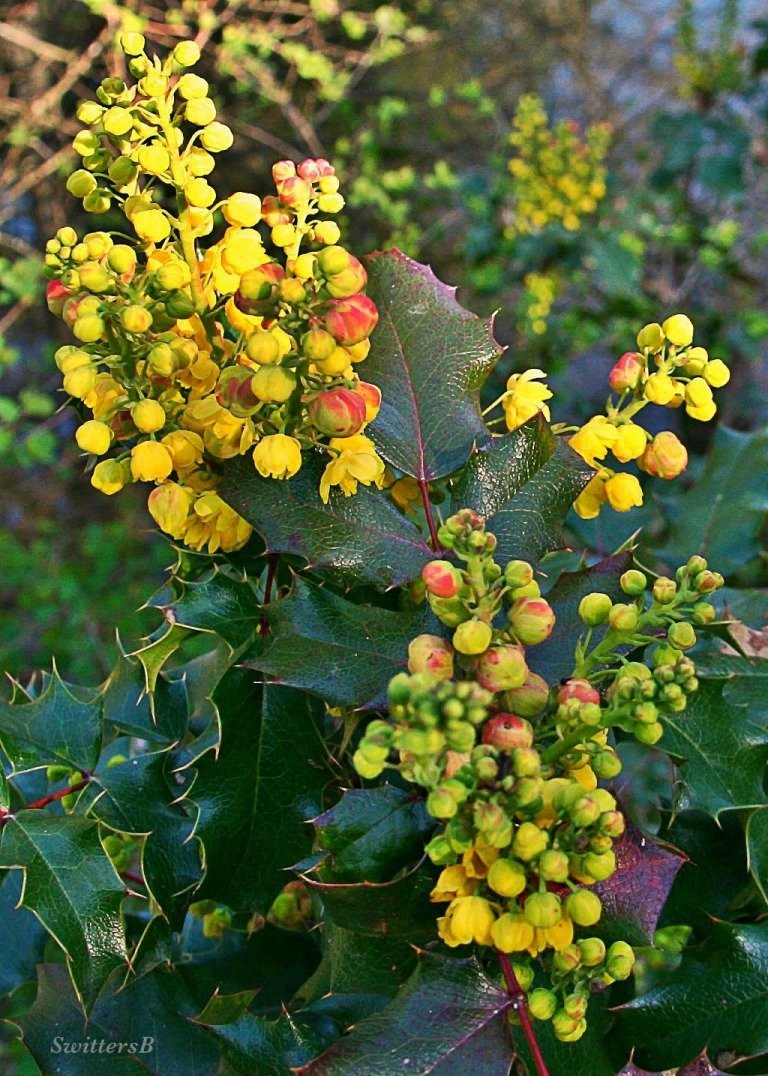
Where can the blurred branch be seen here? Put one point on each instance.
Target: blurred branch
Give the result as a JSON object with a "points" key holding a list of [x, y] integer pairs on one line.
{"points": [[18, 35]]}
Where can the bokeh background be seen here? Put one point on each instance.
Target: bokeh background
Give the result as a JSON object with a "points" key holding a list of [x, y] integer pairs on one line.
{"points": [[415, 104]]}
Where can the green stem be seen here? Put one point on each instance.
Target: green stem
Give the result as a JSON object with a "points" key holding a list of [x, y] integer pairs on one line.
{"points": [[562, 747]]}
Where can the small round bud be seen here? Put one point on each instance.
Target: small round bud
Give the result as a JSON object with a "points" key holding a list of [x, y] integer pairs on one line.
{"points": [[442, 579], [623, 618], [431, 655], [620, 960], [518, 573], [650, 336], [507, 732], [553, 865], [592, 951], [633, 582], [543, 909], [578, 689], [595, 608], [584, 908], [507, 877], [148, 416], [678, 329], [472, 637], [542, 1004], [531, 620], [94, 437], [529, 841], [681, 635], [338, 412], [501, 668]]}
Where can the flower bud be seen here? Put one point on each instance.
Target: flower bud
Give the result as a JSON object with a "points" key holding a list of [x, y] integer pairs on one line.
{"points": [[507, 877], [543, 910], [626, 373], [566, 960], [716, 373], [472, 637], [594, 608], [542, 1004], [599, 865], [170, 505], [56, 294], [110, 476], [553, 865], [592, 951], [623, 618], [530, 698], [507, 732], [578, 689], [630, 442], [277, 456], [681, 635], [338, 413], [584, 908], [442, 579], [633, 582], [649, 734], [94, 437], [660, 389], [372, 396], [651, 337], [431, 655], [620, 960], [512, 933], [531, 620], [529, 841], [148, 416], [273, 384], [501, 668], [678, 329], [623, 492], [351, 320]]}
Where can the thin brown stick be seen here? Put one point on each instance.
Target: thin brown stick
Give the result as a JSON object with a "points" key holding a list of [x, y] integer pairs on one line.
{"points": [[516, 993], [424, 490]]}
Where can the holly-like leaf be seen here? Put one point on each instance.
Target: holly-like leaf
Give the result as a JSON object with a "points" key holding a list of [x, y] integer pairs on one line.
{"points": [[344, 652], [135, 797], [217, 604], [634, 896], [128, 707], [447, 1019], [254, 1044], [371, 834], [71, 886], [724, 751], [724, 512], [154, 655], [152, 1016], [360, 539], [362, 963], [523, 486], [58, 727], [400, 908], [255, 797], [23, 936], [554, 659], [429, 356], [645, 783], [717, 998]]}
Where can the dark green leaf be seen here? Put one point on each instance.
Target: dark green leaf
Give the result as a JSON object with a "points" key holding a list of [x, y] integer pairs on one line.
{"points": [[255, 1045], [589, 1056], [646, 782], [23, 937], [400, 908], [757, 849], [345, 652], [429, 356], [355, 539], [724, 512], [554, 659], [136, 797], [71, 886], [154, 655], [523, 486], [361, 963], [448, 1019], [153, 1014], [256, 796], [371, 834], [717, 998], [57, 727], [218, 604], [127, 705], [723, 751]]}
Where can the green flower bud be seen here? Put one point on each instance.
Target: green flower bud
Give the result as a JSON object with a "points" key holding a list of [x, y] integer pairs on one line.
{"points": [[566, 1027], [599, 865], [441, 804], [594, 608], [543, 909], [529, 841], [584, 908], [623, 618], [525, 975], [472, 637], [542, 1004], [606, 764], [576, 1005], [566, 960], [633, 582], [585, 812], [681, 635], [553, 866], [592, 951], [518, 573], [507, 877], [664, 591], [620, 960], [439, 851], [649, 734]]}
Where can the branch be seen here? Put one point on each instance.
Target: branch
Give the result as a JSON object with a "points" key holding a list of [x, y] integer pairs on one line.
{"points": [[424, 490], [515, 992]]}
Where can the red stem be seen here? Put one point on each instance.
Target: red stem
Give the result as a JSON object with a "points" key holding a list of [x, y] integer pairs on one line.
{"points": [[424, 489], [274, 560], [514, 990], [131, 876], [37, 805]]}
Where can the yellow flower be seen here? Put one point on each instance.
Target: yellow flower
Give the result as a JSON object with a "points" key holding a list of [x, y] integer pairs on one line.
{"points": [[277, 456], [357, 462], [623, 492], [630, 443], [678, 330], [512, 933], [591, 499], [170, 505], [585, 775], [525, 398], [660, 389], [467, 919], [557, 937], [150, 462], [185, 447], [594, 439], [453, 882], [213, 524], [703, 413], [110, 476], [478, 859], [405, 493]]}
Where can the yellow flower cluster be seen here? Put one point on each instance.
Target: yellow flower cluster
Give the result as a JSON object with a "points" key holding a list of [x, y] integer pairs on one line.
{"points": [[558, 175], [666, 370], [189, 355], [536, 304]]}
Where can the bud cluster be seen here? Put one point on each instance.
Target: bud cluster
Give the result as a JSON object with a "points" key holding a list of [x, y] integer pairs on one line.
{"points": [[558, 174], [185, 356]]}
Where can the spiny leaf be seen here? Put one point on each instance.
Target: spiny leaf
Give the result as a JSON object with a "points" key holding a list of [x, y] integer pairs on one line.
{"points": [[23, 936], [523, 486], [71, 886], [717, 998], [448, 1019], [218, 604], [429, 356], [344, 652], [58, 727], [255, 1044], [363, 963], [154, 655], [757, 849], [256, 795], [128, 708], [135, 797], [370, 834], [360, 539]]}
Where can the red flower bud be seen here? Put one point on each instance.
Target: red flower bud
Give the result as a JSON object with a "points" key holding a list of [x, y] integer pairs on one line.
{"points": [[315, 169], [431, 654], [56, 294], [665, 456], [507, 732], [282, 170], [338, 412], [530, 698], [578, 689], [441, 579], [234, 391], [502, 668], [294, 191], [258, 286], [626, 373], [351, 320], [372, 396], [531, 620]]}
